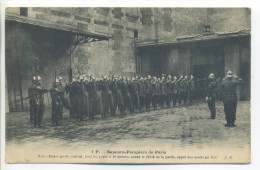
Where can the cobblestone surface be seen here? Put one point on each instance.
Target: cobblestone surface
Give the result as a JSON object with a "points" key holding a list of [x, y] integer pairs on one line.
{"points": [[181, 126]]}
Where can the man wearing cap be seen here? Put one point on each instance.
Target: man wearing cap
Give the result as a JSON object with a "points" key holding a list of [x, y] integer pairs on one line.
{"points": [[30, 92], [38, 101], [155, 92], [186, 89], [93, 97], [174, 86], [181, 89], [211, 95], [56, 96], [107, 99], [229, 97], [192, 88], [148, 87], [62, 92], [168, 91], [133, 89], [70, 88], [142, 93], [162, 97], [115, 94]]}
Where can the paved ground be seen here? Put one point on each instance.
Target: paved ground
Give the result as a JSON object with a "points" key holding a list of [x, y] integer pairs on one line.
{"points": [[182, 126]]}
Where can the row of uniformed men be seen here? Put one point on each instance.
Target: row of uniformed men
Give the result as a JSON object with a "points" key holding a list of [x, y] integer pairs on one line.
{"points": [[90, 97], [87, 98]]}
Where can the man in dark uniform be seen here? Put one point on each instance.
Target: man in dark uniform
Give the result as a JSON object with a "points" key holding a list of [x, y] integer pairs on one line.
{"points": [[155, 92], [229, 97], [38, 101], [62, 92], [56, 96], [133, 89], [181, 89], [142, 93], [175, 93], [148, 87], [192, 89], [162, 91], [32, 106], [93, 98], [107, 99], [168, 91], [114, 89], [70, 88], [211, 95], [127, 94], [185, 89]]}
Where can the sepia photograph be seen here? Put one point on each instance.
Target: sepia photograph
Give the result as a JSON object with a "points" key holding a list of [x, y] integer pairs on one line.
{"points": [[127, 85]]}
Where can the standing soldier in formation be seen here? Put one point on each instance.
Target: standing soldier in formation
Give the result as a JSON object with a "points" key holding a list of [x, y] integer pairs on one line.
{"points": [[175, 94], [133, 89], [162, 91], [181, 89], [56, 96], [115, 93], [71, 88], [93, 97], [229, 97], [211, 95], [106, 95], [62, 91], [168, 91], [30, 93], [155, 92], [38, 102], [192, 89], [185, 89], [85, 98], [148, 87], [142, 93]]}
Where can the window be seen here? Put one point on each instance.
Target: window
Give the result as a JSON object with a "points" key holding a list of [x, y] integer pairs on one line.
{"points": [[24, 11], [135, 34]]}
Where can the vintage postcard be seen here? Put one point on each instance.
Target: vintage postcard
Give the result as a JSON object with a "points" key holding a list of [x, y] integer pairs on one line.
{"points": [[127, 85]]}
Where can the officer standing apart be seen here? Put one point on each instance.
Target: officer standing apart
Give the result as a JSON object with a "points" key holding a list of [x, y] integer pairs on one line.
{"points": [[211, 95], [229, 97]]}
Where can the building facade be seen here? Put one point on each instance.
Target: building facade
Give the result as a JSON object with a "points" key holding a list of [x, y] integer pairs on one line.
{"points": [[121, 41]]}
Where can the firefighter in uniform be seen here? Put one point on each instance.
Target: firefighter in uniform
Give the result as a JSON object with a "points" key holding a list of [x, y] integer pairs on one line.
{"points": [[30, 92], [107, 99], [86, 98], [185, 89], [38, 102], [229, 97], [162, 98], [155, 92], [148, 87], [142, 94], [180, 89], [192, 89], [56, 96], [115, 93], [168, 91], [211, 95], [175, 94]]}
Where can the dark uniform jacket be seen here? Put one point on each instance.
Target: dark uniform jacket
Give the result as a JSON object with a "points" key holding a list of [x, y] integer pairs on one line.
{"points": [[228, 89], [148, 86], [156, 88], [168, 87], [163, 87], [211, 92], [141, 88]]}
